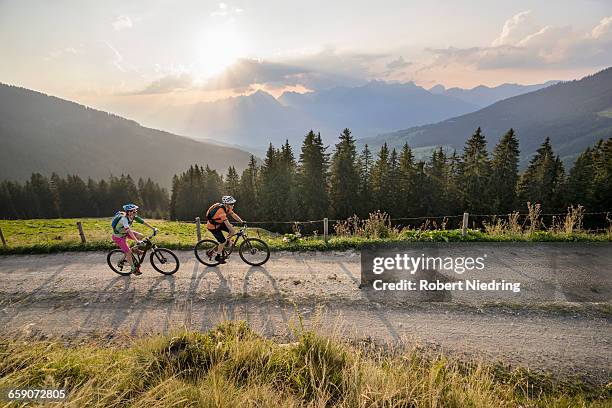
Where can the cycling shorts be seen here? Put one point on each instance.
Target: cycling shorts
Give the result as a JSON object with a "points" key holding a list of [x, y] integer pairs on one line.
{"points": [[218, 233]]}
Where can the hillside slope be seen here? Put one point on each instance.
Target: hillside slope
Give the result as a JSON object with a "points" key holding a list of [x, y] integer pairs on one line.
{"points": [[41, 133], [573, 114]]}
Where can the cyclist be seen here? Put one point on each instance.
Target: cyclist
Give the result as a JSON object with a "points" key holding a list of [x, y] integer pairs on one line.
{"points": [[217, 222], [122, 222]]}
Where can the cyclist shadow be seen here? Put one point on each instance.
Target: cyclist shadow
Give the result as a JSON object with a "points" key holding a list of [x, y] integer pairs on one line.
{"points": [[221, 291], [266, 311], [39, 290], [125, 295], [157, 284]]}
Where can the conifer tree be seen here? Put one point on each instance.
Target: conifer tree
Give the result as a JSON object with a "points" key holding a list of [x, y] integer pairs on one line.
{"points": [[474, 174], [420, 190], [73, 197], [602, 169], [504, 174], [394, 197], [364, 164], [232, 182], [344, 177], [247, 193], [542, 181], [381, 180], [580, 180], [43, 199], [405, 184], [271, 194], [312, 178], [437, 175]]}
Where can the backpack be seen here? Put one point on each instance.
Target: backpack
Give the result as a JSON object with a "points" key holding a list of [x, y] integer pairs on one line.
{"points": [[116, 219], [210, 213]]}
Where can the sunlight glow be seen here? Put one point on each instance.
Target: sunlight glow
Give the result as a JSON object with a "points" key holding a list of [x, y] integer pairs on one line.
{"points": [[219, 47]]}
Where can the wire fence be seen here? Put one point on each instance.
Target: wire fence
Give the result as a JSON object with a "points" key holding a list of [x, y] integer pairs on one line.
{"points": [[591, 222]]}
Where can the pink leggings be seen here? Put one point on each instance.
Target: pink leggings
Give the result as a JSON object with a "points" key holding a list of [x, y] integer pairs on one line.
{"points": [[122, 243]]}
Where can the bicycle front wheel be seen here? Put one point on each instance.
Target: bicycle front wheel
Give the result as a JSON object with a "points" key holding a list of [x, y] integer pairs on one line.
{"points": [[164, 261], [254, 251], [203, 249], [117, 262]]}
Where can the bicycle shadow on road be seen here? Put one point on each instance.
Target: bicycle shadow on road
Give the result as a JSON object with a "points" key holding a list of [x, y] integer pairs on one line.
{"points": [[222, 290], [266, 311], [37, 291], [123, 296], [171, 300]]}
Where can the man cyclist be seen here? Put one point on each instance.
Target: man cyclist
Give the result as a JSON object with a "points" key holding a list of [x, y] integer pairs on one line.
{"points": [[217, 222], [122, 222]]}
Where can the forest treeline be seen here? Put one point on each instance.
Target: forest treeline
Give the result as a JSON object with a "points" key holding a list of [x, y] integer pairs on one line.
{"points": [[337, 184], [58, 197]]}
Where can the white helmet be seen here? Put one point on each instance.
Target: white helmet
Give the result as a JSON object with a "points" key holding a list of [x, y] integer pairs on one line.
{"points": [[228, 200]]}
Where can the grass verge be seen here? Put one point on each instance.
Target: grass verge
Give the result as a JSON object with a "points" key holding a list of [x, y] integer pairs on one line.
{"points": [[231, 365], [59, 235]]}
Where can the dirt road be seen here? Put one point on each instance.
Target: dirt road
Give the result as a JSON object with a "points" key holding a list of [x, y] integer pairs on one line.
{"points": [[76, 294]]}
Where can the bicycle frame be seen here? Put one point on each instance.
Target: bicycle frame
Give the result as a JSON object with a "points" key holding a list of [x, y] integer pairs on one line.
{"points": [[240, 234], [148, 245]]}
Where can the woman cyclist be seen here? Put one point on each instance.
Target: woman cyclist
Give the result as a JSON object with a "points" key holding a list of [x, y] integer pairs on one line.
{"points": [[122, 222]]}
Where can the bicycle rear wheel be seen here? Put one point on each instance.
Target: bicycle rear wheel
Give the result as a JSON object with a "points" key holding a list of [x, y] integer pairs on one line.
{"points": [[164, 261], [117, 262], [202, 249], [254, 251]]}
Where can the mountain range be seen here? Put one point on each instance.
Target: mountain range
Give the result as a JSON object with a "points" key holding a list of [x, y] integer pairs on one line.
{"points": [[482, 96], [41, 133], [573, 114], [377, 107]]}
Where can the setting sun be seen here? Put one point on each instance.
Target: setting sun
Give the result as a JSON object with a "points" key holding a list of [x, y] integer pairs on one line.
{"points": [[218, 48]]}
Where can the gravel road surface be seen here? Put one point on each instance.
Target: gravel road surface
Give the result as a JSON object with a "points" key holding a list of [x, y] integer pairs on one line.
{"points": [[560, 322]]}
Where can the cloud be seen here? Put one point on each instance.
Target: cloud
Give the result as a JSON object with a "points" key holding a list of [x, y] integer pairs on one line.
{"points": [[122, 22], [247, 72], [61, 53], [603, 30], [515, 28], [522, 44], [329, 68], [223, 10], [398, 63], [116, 57], [166, 84]]}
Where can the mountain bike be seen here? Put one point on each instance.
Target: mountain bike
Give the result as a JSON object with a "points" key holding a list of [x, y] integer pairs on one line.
{"points": [[163, 260], [253, 251]]}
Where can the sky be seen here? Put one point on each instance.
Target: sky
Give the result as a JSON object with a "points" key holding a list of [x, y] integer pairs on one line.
{"points": [[122, 55]]}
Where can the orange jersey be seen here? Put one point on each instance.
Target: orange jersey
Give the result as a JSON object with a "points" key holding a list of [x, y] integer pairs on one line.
{"points": [[219, 217]]}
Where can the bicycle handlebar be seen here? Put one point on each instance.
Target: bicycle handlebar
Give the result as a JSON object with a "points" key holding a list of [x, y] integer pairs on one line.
{"points": [[154, 233]]}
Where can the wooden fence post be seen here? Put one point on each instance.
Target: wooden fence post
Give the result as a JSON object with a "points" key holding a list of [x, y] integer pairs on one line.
{"points": [[198, 229], [81, 233], [325, 229], [2, 238], [465, 224]]}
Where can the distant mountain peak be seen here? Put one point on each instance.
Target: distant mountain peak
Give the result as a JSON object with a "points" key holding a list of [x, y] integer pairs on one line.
{"points": [[437, 89]]}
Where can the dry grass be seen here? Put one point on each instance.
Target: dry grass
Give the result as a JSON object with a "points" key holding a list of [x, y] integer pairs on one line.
{"points": [[535, 220], [376, 226], [232, 366]]}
